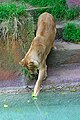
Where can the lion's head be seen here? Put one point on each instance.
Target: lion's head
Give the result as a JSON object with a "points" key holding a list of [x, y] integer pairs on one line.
{"points": [[32, 66]]}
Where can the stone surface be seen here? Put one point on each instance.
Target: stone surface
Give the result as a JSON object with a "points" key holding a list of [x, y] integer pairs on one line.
{"points": [[65, 53], [64, 77], [73, 3], [61, 78]]}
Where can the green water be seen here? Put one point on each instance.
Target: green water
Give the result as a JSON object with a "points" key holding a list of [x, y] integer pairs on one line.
{"points": [[48, 106]]}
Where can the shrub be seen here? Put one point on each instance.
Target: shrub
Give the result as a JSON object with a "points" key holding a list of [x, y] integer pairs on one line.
{"points": [[78, 35], [71, 33], [41, 3], [58, 11], [10, 10], [59, 8], [72, 13]]}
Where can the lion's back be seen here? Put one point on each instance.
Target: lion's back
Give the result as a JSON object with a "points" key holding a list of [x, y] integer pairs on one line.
{"points": [[46, 25]]}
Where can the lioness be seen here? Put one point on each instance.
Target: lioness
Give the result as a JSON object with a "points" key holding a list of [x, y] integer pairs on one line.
{"points": [[40, 48]]}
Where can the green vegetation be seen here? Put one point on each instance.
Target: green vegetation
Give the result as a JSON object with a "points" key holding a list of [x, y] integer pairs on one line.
{"points": [[59, 9], [45, 3], [10, 10], [72, 13], [71, 33], [26, 72]]}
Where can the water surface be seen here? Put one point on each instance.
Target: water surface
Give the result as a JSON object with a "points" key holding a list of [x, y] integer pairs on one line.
{"points": [[48, 106]]}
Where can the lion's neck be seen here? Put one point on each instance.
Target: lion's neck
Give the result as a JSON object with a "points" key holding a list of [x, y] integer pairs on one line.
{"points": [[33, 57]]}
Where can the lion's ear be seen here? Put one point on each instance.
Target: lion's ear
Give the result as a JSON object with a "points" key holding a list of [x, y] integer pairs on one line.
{"points": [[22, 62]]}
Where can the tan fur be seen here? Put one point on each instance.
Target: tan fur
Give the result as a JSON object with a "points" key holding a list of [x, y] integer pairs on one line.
{"points": [[40, 48]]}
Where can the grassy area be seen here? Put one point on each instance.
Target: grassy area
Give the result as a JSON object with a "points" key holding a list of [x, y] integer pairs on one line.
{"points": [[71, 33], [16, 24], [45, 3], [10, 10], [59, 9]]}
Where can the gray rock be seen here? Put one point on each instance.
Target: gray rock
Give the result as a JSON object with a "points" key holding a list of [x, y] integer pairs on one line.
{"points": [[65, 53]]}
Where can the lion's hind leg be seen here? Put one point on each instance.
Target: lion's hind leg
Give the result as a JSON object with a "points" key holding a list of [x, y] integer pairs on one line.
{"points": [[45, 72]]}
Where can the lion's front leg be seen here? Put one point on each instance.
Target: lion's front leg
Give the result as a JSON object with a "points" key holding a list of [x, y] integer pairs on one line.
{"points": [[41, 76]]}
